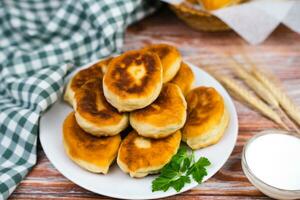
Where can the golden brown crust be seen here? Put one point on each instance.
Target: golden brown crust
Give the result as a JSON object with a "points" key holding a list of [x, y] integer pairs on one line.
{"points": [[95, 71], [96, 112], [124, 81], [164, 116], [81, 77], [210, 137], [144, 155], [131, 78], [170, 59], [82, 147], [184, 78], [92, 104], [205, 111]]}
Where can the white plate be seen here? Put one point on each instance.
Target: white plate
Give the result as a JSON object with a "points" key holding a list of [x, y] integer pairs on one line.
{"points": [[116, 183]]}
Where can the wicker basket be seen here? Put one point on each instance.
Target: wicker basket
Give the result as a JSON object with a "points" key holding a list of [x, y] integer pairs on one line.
{"points": [[197, 19]]}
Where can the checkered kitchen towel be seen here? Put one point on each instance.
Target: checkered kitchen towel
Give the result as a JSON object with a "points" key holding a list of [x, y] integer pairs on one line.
{"points": [[37, 39]]}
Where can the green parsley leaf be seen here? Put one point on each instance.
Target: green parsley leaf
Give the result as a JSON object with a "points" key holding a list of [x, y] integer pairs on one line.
{"points": [[168, 173], [203, 162], [178, 171], [180, 182], [198, 170], [176, 161], [161, 183], [198, 173]]}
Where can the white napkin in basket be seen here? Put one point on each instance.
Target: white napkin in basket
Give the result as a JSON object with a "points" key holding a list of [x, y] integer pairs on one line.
{"points": [[257, 19]]}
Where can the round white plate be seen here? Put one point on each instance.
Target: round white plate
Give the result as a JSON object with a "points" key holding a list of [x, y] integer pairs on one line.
{"points": [[116, 183]]}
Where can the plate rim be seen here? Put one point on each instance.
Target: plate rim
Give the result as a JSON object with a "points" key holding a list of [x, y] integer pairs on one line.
{"points": [[192, 185]]}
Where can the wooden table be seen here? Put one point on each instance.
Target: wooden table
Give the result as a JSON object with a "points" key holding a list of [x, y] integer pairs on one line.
{"points": [[280, 53]]}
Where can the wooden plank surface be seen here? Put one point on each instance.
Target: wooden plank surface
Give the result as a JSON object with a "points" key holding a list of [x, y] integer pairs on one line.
{"points": [[280, 53]]}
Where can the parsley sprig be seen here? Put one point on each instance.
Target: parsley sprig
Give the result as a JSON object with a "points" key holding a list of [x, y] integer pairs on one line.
{"points": [[179, 171]]}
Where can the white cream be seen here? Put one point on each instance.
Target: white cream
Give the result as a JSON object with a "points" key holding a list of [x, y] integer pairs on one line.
{"points": [[275, 159]]}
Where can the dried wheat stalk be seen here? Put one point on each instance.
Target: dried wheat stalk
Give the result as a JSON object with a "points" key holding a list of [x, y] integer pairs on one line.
{"points": [[286, 103], [267, 73], [286, 117], [250, 99], [254, 84], [260, 89]]}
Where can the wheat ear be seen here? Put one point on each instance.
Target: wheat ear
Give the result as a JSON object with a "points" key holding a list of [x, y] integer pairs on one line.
{"points": [[286, 103], [250, 99], [253, 83], [260, 90], [286, 117], [276, 83]]}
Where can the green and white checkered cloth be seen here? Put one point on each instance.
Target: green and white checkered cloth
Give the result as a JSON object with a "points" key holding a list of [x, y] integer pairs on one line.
{"points": [[37, 39]]}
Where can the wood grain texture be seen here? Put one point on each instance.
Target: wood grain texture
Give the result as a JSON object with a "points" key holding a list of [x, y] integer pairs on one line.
{"points": [[280, 53]]}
